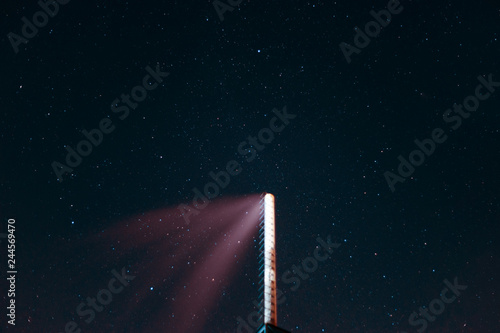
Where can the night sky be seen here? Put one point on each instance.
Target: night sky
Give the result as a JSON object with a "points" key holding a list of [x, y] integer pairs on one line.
{"points": [[381, 151]]}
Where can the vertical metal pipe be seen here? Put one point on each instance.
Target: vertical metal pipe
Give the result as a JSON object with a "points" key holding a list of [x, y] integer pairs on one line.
{"points": [[270, 305]]}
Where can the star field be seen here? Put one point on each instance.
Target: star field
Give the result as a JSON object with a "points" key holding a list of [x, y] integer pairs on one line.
{"points": [[355, 115]]}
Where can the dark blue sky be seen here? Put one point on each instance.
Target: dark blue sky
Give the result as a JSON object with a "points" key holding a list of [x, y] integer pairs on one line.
{"points": [[327, 167]]}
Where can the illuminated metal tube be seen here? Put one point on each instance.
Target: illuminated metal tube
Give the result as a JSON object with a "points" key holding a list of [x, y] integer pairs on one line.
{"points": [[269, 267]]}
